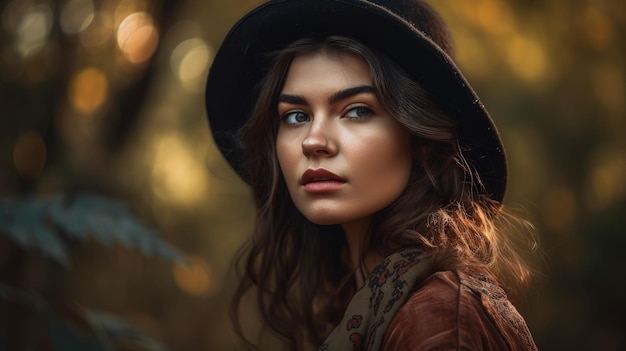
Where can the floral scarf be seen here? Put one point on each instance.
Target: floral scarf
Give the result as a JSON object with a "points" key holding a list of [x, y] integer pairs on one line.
{"points": [[374, 305]]}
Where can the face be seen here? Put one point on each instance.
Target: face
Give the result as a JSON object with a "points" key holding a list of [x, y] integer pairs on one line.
{"points": [[342, 155]]}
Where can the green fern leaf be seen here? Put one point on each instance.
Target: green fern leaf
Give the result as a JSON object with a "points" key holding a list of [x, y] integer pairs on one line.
{"points": [[23, 222], [45, 224], [108, 221]]}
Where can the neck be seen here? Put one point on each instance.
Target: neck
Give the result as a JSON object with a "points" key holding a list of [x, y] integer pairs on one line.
{"points": [[355, 236]]}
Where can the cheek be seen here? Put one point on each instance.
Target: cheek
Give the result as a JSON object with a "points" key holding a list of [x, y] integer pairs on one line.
{"points": [[286, 158], [397, 163], [385, 167], [395, 173]]}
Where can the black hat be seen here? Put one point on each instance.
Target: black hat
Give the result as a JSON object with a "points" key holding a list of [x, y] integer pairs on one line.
{"points": [[409, 32]]}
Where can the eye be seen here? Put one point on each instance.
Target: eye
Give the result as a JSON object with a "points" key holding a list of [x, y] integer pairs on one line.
{"points": [[295, 117], [359, 112]]}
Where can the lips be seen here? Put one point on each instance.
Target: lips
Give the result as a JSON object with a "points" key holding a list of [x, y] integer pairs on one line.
{"points": [[320, 175]]}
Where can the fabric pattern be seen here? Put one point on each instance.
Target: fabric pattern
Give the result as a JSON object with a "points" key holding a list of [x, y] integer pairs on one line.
{"points": [[498, 306], [374, 305]]}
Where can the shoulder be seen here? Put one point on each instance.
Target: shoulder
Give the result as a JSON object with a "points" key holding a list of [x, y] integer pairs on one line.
{"points": [[457, 311]]}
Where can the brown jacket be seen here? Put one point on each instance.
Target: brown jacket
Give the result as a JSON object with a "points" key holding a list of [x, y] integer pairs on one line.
{"points": [[458, 311]]}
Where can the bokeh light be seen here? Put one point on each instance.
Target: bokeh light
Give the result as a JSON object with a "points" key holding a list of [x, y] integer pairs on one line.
{"points": [[76, 15], [471, 54], [597, 28], [195, 277], [137, 37], [492, 16], [526, 57], [189, 61], [29, 154], [88, 90], [33, 29], [607, 179], [177, 176]]}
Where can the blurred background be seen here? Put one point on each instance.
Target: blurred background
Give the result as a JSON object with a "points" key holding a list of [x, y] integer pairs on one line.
{"points": [[105, 98]]}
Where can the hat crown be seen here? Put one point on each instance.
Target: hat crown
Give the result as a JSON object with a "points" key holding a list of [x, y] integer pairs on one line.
{"points": [[423, 18]]}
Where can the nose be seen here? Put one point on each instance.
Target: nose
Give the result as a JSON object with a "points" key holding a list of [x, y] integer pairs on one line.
{"points": [[319, 142]]}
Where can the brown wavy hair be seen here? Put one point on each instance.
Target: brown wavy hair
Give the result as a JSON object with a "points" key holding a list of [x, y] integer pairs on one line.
{"points": [[300, 270]]}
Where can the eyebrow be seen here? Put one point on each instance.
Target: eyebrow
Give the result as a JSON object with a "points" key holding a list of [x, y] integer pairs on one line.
{"points": [[335, 97]]}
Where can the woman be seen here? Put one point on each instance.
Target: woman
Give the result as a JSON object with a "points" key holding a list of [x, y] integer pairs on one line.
{"points": [[378, 177]]}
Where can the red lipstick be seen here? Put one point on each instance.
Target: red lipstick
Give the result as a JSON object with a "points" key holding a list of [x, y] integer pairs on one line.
{"points": [[321, 181]]}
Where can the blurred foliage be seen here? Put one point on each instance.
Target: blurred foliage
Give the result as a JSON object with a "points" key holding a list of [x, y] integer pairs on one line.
{"points": [[45, 224], [70, 329], [37, 237], [106, 97]]}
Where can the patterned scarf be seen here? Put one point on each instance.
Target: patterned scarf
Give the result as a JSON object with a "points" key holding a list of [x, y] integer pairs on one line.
{"points": [[374, 305]]}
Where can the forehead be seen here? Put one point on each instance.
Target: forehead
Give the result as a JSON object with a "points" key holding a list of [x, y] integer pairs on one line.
{"points": [[325, 67]]}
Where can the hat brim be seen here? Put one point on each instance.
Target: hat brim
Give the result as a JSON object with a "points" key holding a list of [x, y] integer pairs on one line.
{"points": [[240, 62]]}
